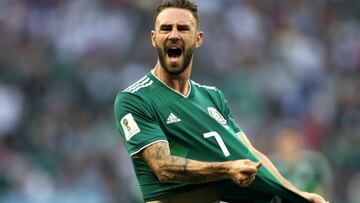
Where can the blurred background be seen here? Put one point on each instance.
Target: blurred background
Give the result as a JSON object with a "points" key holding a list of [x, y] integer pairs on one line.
{"points": [[289, 69]]}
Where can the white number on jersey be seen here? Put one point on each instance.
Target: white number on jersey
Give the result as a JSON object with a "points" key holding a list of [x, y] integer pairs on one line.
{"points": [[219, 140]]}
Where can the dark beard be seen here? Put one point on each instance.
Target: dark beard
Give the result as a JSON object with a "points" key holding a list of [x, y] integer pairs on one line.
{"points": [[188, 54]]}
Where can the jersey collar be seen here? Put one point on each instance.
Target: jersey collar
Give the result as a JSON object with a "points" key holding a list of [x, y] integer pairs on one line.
{"points": [[162, 84]]}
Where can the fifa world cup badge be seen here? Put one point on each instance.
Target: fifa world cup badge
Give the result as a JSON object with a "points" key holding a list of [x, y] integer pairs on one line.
{"points": [[129, 126]]}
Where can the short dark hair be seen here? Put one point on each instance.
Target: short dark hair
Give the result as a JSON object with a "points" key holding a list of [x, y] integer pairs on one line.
{"points": [[185, 4]]}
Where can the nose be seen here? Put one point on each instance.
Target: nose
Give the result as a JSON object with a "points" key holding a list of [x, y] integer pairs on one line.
{"points": [[174, 34]]}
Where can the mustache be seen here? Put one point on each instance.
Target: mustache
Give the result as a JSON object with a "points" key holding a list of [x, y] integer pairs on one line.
{"points": [[178, 43]]}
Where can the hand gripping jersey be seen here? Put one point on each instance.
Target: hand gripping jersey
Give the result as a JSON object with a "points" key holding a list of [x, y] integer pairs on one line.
{"points": [[198, 126]]}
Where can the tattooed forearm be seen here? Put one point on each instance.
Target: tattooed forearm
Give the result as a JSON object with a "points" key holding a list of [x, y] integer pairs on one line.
{"points": [[185, 166], [176, 169]]}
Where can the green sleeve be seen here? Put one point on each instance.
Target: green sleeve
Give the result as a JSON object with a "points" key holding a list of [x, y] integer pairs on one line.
{"points": [[227, 114], [136, 123]]}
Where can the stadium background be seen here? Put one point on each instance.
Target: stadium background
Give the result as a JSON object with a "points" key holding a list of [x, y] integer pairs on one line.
{"points": [[290, 70]]}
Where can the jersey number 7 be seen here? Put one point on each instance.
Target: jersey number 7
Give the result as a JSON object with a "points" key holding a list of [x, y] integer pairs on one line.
{"points": [[219, 140]]}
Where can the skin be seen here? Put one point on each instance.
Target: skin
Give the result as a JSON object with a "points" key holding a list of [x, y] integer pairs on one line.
{"points": [[170, 168], [175, 27], [266, 161], [178, 27]]}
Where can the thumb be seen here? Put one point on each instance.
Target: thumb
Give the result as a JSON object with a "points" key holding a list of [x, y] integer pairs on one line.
{"points": [[252, 167], [258, 164]]}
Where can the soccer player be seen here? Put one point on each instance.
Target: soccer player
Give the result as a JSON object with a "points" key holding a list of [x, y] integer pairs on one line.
{"points": [[181, 136]]}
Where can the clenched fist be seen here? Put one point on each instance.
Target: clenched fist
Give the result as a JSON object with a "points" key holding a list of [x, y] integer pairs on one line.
{"points": [[242, 172]]}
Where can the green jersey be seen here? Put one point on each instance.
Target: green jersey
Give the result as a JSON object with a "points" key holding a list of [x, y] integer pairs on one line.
{"points": [[198, 126]]}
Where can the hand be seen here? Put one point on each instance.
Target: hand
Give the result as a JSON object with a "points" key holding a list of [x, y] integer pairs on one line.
{"points": [[242, 172], [314, 197]]}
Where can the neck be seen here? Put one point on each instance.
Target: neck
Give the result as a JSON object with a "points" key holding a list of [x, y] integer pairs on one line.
{"points": [[179, 83]]}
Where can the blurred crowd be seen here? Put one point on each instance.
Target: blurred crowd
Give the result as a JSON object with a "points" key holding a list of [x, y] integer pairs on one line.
{"points": [[289, 69]]}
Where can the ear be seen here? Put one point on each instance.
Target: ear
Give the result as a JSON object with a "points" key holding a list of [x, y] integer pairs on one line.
{"points": [[153, 36], [199, 39]]}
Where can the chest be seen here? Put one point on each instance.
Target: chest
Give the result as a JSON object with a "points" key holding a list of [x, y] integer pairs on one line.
{"points": [[177, 112]]}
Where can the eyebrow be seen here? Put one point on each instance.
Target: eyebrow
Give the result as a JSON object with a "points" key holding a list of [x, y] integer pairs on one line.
{"points": [[183, 26], [165, 26]]}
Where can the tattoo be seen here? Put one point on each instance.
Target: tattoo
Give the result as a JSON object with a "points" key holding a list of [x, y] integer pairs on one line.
{"points": [[185, 166], [155, 153], [176, 169], [159, 152]]}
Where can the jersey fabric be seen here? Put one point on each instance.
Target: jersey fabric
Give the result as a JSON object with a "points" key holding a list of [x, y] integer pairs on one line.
{"points": [[198, 126]]}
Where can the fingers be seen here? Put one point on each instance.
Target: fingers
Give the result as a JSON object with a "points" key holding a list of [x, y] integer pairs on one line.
{"points": [[322, 200], [247, 181], [257, 165], [244, 172], [250, 166], [319, 199], [315, 198], [248, 170]]}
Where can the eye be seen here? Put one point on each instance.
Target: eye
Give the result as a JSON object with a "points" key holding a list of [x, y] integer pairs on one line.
{"points": [[183, 28], [165, 27]]}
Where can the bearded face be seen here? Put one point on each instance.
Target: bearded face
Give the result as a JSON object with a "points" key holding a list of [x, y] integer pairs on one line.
{"points": [[175, 58], [175, 39]]}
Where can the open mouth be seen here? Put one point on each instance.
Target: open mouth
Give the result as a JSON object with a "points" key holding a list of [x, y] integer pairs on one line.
{"points": [[174, 52]]}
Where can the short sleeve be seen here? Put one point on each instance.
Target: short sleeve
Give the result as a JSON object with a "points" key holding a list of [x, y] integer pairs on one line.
{"points": [[136, 123], [227, 113]]}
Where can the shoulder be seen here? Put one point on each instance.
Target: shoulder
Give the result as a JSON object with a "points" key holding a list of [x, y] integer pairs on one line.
{"points": [[136, 91], [204, 87], [140, 85], [135, 96], [207, 87], [211, 90]]}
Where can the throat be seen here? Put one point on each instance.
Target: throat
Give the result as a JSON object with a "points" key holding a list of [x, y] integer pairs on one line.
{"points": [[179, 85], [182, 89]]}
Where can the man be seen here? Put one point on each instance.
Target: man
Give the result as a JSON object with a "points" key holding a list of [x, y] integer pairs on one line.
{"points": [[183, 141]]}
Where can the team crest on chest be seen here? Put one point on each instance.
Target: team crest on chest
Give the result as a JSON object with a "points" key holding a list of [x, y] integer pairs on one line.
{"points": [[216, 115]]}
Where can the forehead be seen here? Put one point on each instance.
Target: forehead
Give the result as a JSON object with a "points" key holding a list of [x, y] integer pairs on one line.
{"points": [[175, 16]]}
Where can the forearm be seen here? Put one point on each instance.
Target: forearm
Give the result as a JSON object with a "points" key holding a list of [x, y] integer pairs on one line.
{"points": [[310, 196], [176, 169], [268, 164]]}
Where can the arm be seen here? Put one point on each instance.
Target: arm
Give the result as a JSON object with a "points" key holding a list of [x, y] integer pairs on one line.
{"points": [[267, 163], [170, 168]]}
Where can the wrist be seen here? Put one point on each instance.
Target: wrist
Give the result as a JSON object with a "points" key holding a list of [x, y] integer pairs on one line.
{"points": [[223, 169]]}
